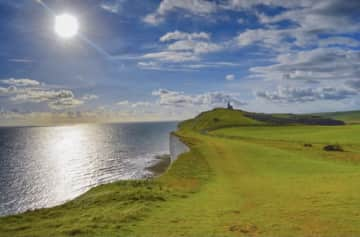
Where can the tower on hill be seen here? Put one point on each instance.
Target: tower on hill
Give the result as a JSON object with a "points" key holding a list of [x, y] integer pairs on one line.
{"points": [[229, 106]]}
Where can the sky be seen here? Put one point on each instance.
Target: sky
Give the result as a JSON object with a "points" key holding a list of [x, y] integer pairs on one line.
{"points": [[149, 60]]}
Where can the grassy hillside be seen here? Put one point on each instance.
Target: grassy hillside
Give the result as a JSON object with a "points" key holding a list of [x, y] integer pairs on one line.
{"points": [[219, 118], [246, 180], [350, 117]]}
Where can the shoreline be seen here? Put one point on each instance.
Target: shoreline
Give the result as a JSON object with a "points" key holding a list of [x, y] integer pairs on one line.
{"points": [[222, 187], [160, 166]]}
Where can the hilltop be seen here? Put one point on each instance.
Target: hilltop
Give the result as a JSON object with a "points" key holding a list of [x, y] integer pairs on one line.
{"points": [[220, 118]]}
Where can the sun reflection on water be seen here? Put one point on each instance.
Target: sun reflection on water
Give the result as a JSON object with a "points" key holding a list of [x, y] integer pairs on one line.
{"points": [[46, 166]]}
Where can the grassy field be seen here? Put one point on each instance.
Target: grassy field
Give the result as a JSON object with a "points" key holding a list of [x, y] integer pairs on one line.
{"points": [[247, 179]]}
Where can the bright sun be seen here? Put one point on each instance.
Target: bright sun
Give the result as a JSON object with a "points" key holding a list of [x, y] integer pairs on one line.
{"points": [[66, 26]]}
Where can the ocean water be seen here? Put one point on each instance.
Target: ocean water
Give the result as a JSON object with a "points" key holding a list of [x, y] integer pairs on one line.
{"points": [[46, 166]]}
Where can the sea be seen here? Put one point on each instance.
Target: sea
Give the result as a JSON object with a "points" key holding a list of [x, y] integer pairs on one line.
{"points": [[47, 166]]}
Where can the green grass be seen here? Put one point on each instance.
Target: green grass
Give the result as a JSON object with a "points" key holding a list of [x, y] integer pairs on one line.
{"points": [[236, 181], [218, 118], [307, 134]]}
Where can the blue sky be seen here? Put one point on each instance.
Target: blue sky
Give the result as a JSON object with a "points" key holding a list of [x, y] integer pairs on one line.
{"points": [[170, 59]]}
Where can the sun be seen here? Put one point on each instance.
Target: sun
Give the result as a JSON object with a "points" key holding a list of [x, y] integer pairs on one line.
{"points": [[66, 26]]}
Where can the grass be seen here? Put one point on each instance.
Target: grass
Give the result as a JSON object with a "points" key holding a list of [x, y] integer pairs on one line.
{"points": [[242, 180], [314, 134]]}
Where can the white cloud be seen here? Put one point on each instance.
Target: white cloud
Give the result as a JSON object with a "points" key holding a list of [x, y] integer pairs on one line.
{"points": [[183, 47], [31, 91], [124, 102], [88, 97], [339, 41], [321, 16], [40, 95], [271, 38], [179, 35], [59, 100], [153, 19], [113, 6], [197, 7], [317, 64], [245, 4], [65, 103], [197, 47], [302, 95], [6, 91], [172, 56], [306, 21], [141, 104], [21, 82], [208, 100], [188, 67], [230, 77], [20, 60]]}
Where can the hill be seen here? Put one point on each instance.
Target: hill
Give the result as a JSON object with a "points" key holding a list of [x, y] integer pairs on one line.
{"points": [[220, 118], [350, 117]]}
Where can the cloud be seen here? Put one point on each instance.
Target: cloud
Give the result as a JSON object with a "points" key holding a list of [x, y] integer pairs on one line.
{"points": [[40, 95], [124, 102], [137, 104], [21, 82], [339, 41], [196, 7], [112, 6], [187, 67], [246, 4], [278, 40], [20, 60], [179, 35], [206, 8], [56, 99], [321, 16], [141, 104], [5, 91], [172, 56], [354, 84], [304, 22], [197, 47], [302, 95], [316, 64], [311, 18], [31, 91], [89, 97], [230, 77], [183, 47], [209, 99], [65, 103]]}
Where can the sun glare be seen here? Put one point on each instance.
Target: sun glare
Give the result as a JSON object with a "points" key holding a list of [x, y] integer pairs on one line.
{"points": [[66, 26]]}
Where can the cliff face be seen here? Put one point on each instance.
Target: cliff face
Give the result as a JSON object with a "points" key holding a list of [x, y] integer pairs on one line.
{"points": [[177, 147]]}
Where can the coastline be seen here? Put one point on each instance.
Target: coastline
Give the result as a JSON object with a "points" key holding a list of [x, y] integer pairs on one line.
{"points": [[226, 185], [124, 201], [159, 166], [163, 162]]}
